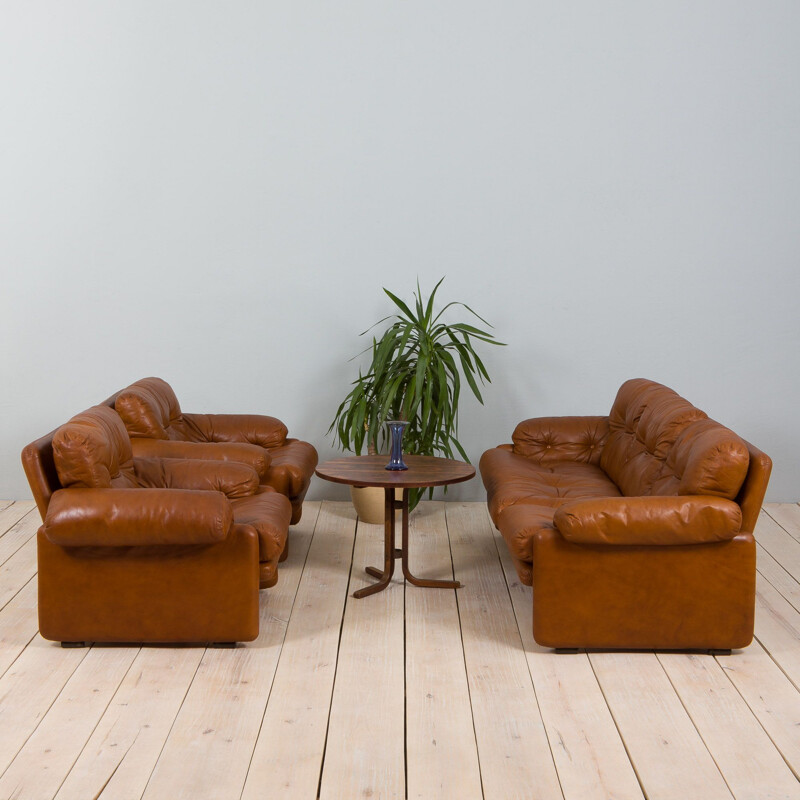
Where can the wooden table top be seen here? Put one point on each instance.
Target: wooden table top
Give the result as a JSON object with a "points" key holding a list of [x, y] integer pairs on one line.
{"points": [[370, 471]]}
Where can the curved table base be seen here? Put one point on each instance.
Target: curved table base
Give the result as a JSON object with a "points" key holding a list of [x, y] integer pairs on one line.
{"points": [[391, 553]]}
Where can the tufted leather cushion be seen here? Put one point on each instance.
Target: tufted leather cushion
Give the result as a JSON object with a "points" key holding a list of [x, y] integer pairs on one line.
{"points": [[93, 451], [519, 525], [269, 513], [229, 477], [511, 479], [546, 439], [710, 460], [150, 410], [660, 444]]}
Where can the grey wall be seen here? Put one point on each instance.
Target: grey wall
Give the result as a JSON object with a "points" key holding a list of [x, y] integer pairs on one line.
{"points": [[216, 192]]}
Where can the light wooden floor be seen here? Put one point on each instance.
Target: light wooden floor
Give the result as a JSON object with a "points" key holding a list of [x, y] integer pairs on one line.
{"points": [[417, 693]]}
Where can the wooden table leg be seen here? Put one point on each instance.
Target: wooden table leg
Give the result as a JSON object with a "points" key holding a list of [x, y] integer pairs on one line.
{"points": [[390, 553], [426, 582], [388, 550]]}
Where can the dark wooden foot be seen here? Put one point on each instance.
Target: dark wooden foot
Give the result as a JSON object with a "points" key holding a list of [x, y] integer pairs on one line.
{"points": [[567, 650], [368, 590], [222, 645], [74, 644], [719, 652], [375, 572], [430, 584]]}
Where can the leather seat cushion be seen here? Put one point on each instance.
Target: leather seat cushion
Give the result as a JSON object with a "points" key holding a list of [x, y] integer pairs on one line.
{"points": [[513, 479], [520, 523], [269, 513], [292, 467]]}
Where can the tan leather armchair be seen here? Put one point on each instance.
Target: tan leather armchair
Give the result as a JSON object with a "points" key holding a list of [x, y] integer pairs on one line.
{"points": [[151, 550], [157, 426], [635, 529]]}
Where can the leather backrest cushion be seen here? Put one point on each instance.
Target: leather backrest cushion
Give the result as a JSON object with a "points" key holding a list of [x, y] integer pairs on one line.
{"points": [[148, 408], [710, 460], [93, 451], [647, 423]]}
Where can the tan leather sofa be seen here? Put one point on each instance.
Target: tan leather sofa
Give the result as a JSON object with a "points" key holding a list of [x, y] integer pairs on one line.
{"points": [[148, 549], [635, 529], [157, 426]]}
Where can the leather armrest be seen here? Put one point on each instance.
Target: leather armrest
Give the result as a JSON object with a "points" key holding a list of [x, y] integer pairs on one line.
{"points": [[649, 520], [253, 428], [253, 455], [229, 477], [546, 439], [132, 517]]}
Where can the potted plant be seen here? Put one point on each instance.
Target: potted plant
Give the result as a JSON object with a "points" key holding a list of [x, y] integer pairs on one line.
{"points": [[416, 373]]}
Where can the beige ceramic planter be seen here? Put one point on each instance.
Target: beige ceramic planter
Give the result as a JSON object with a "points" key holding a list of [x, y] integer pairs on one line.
{"points": [[369, 502]]}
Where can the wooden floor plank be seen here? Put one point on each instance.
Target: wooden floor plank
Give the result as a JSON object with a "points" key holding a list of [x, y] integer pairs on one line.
{"points": [[364, 753], [288, 754], [778, 628], [17, 571], [779, 544], [12, 512], [39, 768], [441, 751], [787, 515], [18, 534], [669, 756], [772, 698], [29, 688], [414, 665], [18, 624], [589, 754], [749, 762], [515, 756], [778, 577], [217, 725], [122, 752]]}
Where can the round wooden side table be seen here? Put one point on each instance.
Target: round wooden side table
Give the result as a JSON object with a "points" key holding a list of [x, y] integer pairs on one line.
{"points": [[422, 472]]}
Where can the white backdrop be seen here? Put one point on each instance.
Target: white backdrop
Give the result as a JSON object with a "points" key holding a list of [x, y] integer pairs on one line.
{"points": [[216, 192]]}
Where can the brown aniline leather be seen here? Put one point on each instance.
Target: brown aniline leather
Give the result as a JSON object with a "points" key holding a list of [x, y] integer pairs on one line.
{"points": [[93, 451], [253, 455], [547, 439], [229, 477], [648, 520], [674, 496], [268, 513], [667, 598], [166, 563], [164, 593], [151, 411], [751, 495], [251, 428], [40, 470], [660, 444], [290, 472], [134, 517], [511, 478]]}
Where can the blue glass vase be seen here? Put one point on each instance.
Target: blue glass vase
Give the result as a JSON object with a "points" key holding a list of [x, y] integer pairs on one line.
{"points": [[396, 428]]}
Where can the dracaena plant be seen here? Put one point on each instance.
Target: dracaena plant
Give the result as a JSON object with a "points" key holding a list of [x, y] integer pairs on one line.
{"points": [[415, 375]]}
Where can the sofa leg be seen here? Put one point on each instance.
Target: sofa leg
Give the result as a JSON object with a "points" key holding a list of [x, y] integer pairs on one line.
{"points": [[74, 644], [713, 652], [222, 645], [566, 650]]}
